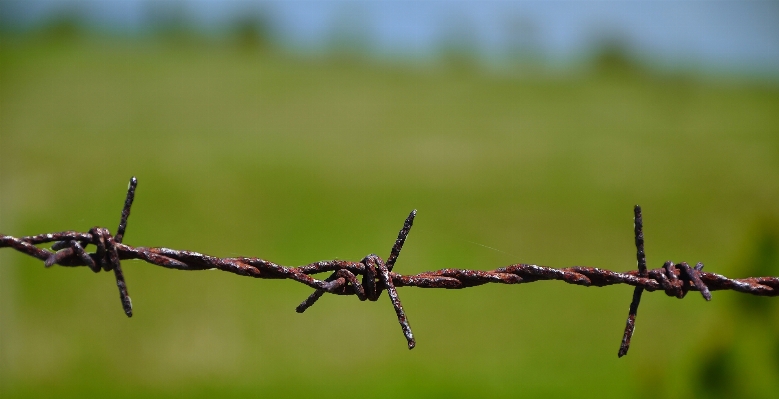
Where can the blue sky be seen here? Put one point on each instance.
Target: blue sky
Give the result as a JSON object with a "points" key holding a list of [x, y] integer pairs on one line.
{"points": [[715, 35]]}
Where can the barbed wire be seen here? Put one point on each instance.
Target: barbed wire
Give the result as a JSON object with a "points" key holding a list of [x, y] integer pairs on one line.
{"points": [[676, 280]]}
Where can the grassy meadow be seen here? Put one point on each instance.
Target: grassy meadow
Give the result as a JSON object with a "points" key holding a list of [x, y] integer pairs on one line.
{"points": [[299, 159]]}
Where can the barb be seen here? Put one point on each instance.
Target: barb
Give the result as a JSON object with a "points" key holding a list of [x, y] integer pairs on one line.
{"points": [[630, 326], [68, 249]]}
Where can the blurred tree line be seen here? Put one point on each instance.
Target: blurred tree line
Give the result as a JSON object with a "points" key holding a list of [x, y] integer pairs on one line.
{"points": [[252, 28]]}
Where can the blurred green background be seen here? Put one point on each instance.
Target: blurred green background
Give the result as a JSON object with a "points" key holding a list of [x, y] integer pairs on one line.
{"points": [[243, 145]]}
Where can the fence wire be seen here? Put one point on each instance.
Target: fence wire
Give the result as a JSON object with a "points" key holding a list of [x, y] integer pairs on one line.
{"points": [[376, 275]]}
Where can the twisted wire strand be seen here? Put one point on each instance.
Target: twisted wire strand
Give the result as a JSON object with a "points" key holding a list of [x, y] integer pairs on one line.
{"points": [[676, 280]]}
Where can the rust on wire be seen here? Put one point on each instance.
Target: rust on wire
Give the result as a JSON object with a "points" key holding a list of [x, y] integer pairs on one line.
{"points": [[377, 275], [630, 326]]}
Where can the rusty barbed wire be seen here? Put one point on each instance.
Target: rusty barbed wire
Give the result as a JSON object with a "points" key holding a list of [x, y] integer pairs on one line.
{"points": [[676, 280]]}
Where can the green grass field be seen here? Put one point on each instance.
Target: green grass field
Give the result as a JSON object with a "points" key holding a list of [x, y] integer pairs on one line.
{"points": [[296, 159]]}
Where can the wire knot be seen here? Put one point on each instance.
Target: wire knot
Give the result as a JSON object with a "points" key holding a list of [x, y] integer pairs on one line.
{"points": [[376, 277], [676, 282], [106, 256]]}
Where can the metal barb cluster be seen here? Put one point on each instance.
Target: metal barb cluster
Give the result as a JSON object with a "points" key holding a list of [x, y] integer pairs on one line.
{"points": [[675, 280]]}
